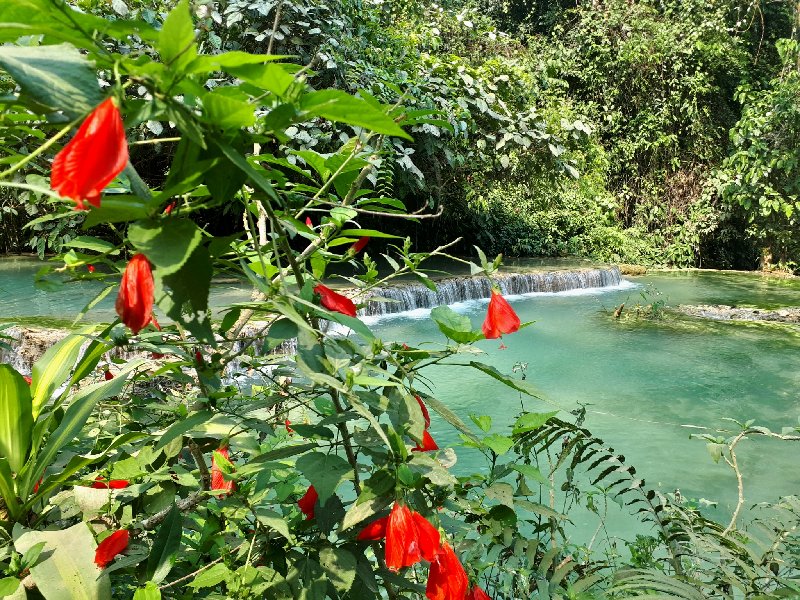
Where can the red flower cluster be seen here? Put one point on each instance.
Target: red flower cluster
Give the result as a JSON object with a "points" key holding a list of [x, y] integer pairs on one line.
{"points": [[500, 317], [135, 299], [335, 301], [308, 502], [93, 158], [114, 484], [428, 443], [218, 481], [110, 547], [410, 538]]}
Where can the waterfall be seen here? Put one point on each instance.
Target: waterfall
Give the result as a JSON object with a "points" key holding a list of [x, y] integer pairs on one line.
{"points": [[402, 297]]}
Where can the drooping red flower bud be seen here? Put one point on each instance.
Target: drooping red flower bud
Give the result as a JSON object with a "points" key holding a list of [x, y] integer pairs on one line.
{"points": [[424, 410], [90, 268], [114, 484], [156, 355], [110, 547], [198, 356], [37, 484], [218, 481], [135, 299], [308, 502], [170, 207], [447, 579], [27, 379], [500, 317], [309, 223], [93, 158], [108, 375], [288, 425], [477, 593], [358, 246], [335, 301]]}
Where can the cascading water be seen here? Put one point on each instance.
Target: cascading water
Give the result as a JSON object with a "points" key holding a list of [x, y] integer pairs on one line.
{"points": [[403, 297]]}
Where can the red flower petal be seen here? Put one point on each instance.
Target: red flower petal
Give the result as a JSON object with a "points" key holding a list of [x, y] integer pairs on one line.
{"points": [[477, 593], [108, 375], [90, 268], [218, 481], [288, 425], [428, 538], [309, 223], [500, 317], [424, 410], [308, 502], [358, 246], [27, 379], [374, 531], [409, 538], [114, 484], [135, 299], [93, 158], [428, 444], [446, 579], [335, 301], [110, 547]]}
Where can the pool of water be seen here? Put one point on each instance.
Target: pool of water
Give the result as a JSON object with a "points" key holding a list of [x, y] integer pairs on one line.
{"points": [[646, 384]]}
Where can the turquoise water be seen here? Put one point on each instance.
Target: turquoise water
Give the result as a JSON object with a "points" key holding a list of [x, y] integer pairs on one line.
{"points": [[646, 384]]}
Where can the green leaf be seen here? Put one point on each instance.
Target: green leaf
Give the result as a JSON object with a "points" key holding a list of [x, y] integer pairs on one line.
{"points": [[87, 242], [53, 368], [340, 566], [455, 326], [16, 421], [188, 287], [530, 471], [271, 77], [520, 386], [502, 492], [226, 112], [178, 428], [68, 571], [211, 577], [484, 422], [168, 244], [176, 41], [148, 592], [9, 586], [325, 472], [274, 520], [118, 208], [531, 421], [336, 105], [499, 444], [57, 76], [166, 546]]}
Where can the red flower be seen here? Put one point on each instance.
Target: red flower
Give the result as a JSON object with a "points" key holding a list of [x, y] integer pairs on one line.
{"points": [[156, 355], [409, 538], [90, 268], [93, 158], [308, 502], [135, 298], [110, 547], [170, 207], [446, 579], [108, 375], [500, 318], [477, 593], [27, 379], [114, 484], [309, 223], [428, 443], [374, 531], [334, 301], [218, 481], [37, 484], [288, 424], [358, 246]]}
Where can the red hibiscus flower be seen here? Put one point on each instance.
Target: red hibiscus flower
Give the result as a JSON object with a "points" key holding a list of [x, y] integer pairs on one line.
{"points": [[424, 410], [110, 547], [358, 246], [288, 425], [446, 579], [309, 223], [374, 531], [93, 158], [108, 375], [218, 481], [90, 268], [308, 502], [477, 593], [500, 318], [135, 299], [409, 538], [27, 379], [334, 301], [114, 484]]}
